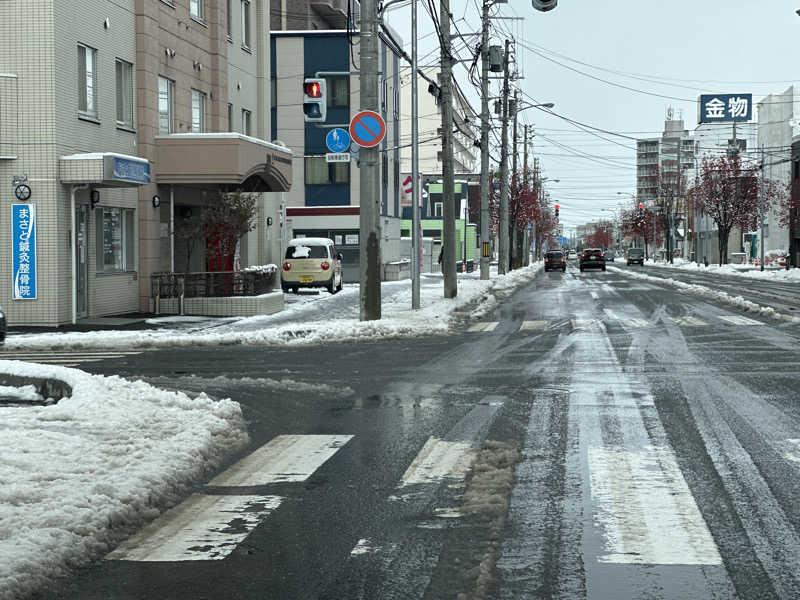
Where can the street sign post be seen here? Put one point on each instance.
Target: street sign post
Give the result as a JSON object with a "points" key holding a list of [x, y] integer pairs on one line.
{"points": [[367, 129], [337, 140]]}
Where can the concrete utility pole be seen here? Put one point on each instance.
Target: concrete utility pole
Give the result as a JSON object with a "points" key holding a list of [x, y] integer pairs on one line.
{"points": [[449, 239], [502, 260], [761, 211], [525, 246], [485, 236], [416, 242], [370, 176], [514, 185]]}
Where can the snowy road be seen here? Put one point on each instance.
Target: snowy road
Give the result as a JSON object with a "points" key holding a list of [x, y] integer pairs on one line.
{"points": [[595, 436]]}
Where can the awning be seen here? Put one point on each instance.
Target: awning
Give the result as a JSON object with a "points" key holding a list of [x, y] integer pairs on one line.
{"points": [[231, 161], [104, 169]]}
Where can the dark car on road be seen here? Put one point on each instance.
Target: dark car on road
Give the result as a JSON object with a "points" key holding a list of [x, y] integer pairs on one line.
{"points": [[609, 255], [636, 256], [555, 260], [592, 258]]}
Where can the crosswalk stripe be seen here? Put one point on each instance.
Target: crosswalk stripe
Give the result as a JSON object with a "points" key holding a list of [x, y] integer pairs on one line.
{"points": [[201, 528], [286, 458], [689, 320], [438, 460], [533, 325], [483, 326], [739, 320], [582, 323]]}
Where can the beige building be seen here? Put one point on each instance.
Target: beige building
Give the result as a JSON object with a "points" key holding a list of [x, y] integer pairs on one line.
{"points": [[123, 119]]}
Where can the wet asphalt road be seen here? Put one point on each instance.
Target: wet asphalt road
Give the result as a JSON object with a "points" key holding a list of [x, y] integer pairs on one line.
{"points": [[630, 441]]}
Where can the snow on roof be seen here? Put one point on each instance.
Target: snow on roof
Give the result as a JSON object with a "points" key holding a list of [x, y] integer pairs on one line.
{"points": [[313, 241], [100, 155], [229, 135]]}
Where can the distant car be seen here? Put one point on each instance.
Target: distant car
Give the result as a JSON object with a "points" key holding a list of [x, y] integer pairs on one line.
{"points": [[311, 263], [592, 258], [609, 256], [571, 254], [636, 256], [554, 260]]}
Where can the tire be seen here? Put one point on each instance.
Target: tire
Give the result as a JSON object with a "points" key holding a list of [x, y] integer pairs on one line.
{"points": [[330, 287], [564, 270], [604, 268], [581, 269], [296, 290], [341, 284]]}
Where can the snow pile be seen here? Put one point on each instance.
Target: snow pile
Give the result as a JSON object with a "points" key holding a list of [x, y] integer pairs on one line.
{"points": [[705, 292], [265, 269], [328, 318], [80, 475], [771, 273], [25, 393]]}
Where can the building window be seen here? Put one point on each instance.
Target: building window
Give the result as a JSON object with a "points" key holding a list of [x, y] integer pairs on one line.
{"points": [[197, 9], [320, 172], [116, 239], [166, 92], [245, 121], [230, 117], [338, 92], [437, 209], [198, 111], [230, 21], [124, 93], [87, 80], [246, 24]]}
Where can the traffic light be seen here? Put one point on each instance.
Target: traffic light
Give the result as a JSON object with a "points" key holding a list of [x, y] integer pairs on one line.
{"points": [[315, 94], [641, 209], [544, 5], [556, 210]]}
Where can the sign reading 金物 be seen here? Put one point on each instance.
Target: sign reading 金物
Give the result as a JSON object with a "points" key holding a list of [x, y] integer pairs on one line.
{"points": [[721, 108], [23, 251]]}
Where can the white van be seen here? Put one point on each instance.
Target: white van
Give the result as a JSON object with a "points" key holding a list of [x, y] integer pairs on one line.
{"points": [[310, 263]]}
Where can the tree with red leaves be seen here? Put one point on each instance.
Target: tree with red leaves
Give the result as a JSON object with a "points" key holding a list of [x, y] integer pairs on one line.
{"points": [[727, 190], [643, 226], [603, 236]]}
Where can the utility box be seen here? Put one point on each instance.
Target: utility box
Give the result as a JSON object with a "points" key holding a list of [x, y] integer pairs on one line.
{"points": [[496, 59]]}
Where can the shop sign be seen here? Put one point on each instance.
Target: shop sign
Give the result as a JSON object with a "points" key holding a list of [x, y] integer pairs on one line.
{"points": [[23, 251]]}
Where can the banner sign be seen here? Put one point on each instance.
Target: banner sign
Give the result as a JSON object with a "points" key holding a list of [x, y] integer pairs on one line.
{"points": [[116, 168], [23, 251], [723, 108]]}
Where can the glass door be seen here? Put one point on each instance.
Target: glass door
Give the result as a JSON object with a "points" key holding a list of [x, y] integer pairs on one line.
{"points": [[82, 258]]}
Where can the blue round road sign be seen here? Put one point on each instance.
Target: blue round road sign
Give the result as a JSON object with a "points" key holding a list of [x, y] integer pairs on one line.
{"points": [[337, 140], [367, 129]]}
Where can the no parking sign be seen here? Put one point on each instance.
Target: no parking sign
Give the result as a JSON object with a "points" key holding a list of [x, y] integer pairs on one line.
{"points": [[367, 129]]}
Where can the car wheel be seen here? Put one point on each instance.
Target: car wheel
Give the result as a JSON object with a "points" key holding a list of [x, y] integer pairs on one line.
{"points": [[604, 267], [581, 269], [564, 269], [341, 283], [296, 290]]}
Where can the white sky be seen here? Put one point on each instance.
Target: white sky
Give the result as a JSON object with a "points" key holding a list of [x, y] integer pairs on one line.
{"points": [[700, 46]]}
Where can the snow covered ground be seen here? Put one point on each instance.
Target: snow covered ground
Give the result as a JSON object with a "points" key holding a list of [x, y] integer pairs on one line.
{"points": [[80, 475], [749, 271], [308, 318]]}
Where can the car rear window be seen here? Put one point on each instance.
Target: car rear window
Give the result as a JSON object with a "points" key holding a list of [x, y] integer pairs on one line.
{"points": [[635, 251], [554, 255], [310, 251]]}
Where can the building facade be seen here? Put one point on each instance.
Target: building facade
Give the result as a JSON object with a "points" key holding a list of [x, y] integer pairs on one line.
{"points": [[122, 120]]}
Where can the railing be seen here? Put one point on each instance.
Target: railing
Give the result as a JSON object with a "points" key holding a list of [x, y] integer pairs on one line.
{"points": [[212, 284]]}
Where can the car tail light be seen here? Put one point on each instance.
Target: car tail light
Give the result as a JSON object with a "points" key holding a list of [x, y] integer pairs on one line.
{"points": [[287, 266], [325, 265], [546, 259], [562, 260]]}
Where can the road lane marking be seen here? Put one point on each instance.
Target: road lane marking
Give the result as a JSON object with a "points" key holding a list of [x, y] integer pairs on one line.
{"points": [[201, 528], [438, 460], [364, 546], [533, 325], [611, 314], [286, 458], [594, 295], [739, 320], [690, 321], [483, 326], [646, 509], [581, 323], [793, 454]]}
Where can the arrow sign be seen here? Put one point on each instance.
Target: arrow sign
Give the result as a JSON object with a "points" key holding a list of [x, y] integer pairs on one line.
{"points": [[337, 140], [367, 129]]}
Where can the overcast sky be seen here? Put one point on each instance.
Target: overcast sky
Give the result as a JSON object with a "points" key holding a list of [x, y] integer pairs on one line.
{"points": [[691, 46]]}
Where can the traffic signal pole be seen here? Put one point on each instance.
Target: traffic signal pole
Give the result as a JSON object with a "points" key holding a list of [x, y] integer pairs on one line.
{"points": [[369, 171]]}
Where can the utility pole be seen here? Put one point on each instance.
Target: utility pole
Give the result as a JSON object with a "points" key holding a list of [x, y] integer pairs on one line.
{"points": [[502, 262], [525, 246], [761, 200], [485, 239], [369, 171], [416, 242], [449, 239], [514, 186]]}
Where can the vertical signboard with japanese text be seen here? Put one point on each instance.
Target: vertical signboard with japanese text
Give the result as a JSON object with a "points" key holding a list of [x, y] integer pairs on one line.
{"points": [[724, 108], [23, 251]]}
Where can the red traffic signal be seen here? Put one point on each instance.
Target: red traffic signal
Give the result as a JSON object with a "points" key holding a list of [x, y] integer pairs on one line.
{"points": [[641, 206], [556, 207], [313, 89]]}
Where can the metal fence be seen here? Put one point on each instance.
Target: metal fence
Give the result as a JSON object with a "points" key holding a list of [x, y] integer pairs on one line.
{"points": [[212, 284]]}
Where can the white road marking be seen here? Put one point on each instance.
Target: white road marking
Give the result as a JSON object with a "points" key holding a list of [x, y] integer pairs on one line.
{"points": [[533, 325], [201, 528], [611, 314], [594, 295], [646, 509], [739, 320], [636, 322], [483, 326], [364, 546], [65, 358], [793, 453], [438, 460], [582, 323], [689, 320], [284, 458]]}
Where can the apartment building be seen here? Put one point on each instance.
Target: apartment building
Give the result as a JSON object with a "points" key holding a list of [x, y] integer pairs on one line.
{"points": [[118, 120]]}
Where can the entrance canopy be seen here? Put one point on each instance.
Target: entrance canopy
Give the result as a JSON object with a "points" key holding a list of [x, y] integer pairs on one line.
{"points": [[104, 169], [229, 160]]}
